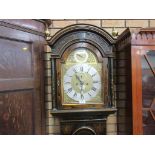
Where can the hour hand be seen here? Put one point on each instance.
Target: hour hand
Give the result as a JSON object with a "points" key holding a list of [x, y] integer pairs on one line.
{"points": [[77, 77], [81, 83]]}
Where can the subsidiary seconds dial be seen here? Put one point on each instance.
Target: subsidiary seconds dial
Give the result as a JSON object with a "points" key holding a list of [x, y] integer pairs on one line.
{"points": [[82, 83]]}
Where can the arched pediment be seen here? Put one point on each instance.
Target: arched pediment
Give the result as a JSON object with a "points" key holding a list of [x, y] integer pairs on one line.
{"points": [[81, 33]]}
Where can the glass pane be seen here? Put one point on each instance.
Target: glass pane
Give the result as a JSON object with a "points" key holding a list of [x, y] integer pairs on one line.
{"points": [[148, 80], [148, 123], [151, 56], [148, 91]]}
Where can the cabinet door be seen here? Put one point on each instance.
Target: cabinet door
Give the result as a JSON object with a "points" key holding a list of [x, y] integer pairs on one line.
{"points": [[144, 88], [20, 82], [148, 91]]}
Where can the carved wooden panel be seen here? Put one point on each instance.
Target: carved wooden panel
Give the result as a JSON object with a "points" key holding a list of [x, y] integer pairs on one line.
{"points": [[16, 60]]}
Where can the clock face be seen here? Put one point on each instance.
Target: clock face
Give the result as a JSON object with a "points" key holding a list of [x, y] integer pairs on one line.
{"points": [[82, 82], [81, 78]]}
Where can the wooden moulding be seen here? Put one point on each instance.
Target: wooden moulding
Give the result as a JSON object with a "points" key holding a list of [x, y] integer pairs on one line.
{"points": [[103, 111]]}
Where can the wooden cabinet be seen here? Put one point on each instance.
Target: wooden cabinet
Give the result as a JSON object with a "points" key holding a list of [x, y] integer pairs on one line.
{"points": [[21, 77], [142, 62]]}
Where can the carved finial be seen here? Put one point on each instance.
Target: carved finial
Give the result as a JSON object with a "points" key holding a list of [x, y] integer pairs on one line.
{"points": [[47, 33], [114, 33]]}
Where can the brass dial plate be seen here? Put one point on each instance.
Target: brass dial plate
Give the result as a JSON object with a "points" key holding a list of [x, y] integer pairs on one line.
{"points": [[82, 78]]}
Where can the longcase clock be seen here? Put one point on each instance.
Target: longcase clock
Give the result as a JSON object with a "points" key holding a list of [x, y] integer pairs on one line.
{"points": [[82, 79]]}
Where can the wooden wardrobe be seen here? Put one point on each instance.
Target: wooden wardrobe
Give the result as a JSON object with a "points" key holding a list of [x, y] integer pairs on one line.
{"points": [[21, 77]]}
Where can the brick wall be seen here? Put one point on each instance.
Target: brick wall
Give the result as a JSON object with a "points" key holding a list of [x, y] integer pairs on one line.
{"points": [[107, 25], [52, 124]]}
